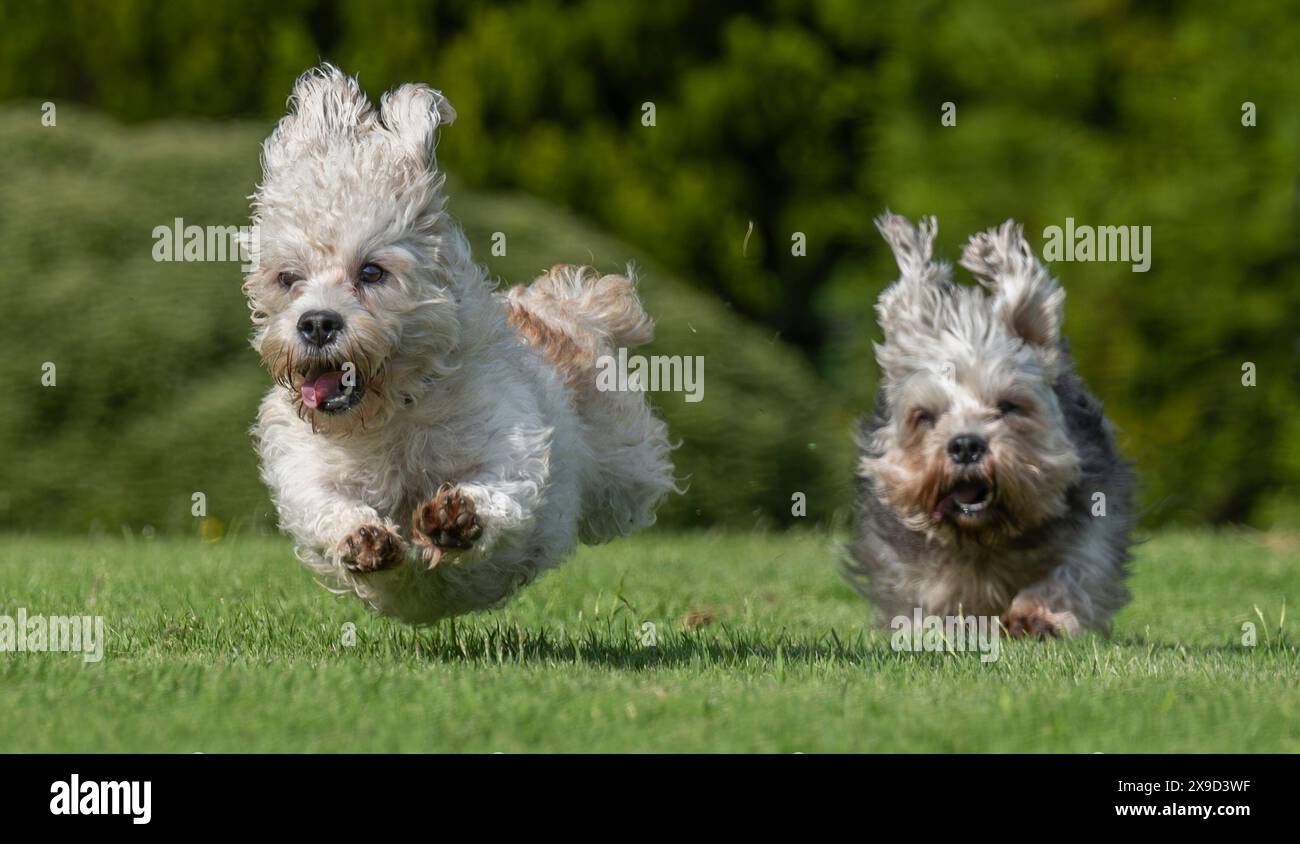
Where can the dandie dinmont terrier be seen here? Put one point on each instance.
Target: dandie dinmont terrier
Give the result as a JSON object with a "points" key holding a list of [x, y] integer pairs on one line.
{"points": [[430, 444], [989, 480]]}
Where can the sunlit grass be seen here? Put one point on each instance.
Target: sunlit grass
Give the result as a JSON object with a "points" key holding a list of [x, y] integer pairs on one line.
{"points": [[757, 646]]}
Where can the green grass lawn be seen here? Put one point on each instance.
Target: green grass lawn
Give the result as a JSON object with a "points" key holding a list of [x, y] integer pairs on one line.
{"points": [[233, 647]]}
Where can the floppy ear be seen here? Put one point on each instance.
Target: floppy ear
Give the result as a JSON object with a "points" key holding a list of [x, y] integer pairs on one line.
{"points": [[326, 103], [412, 114], [1025, 296], [915, 301]]}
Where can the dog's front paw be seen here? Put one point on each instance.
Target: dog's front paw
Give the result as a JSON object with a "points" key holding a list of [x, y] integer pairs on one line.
{"points": [[446, 522], [1025, 619], [371, 548]]}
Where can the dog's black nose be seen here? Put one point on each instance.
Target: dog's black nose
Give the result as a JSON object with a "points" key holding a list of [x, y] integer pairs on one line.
{"points": [[320, 327], [967, 449]]}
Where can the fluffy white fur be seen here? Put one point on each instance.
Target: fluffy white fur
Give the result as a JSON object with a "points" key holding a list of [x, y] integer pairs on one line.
{"points": [[467, 390]]}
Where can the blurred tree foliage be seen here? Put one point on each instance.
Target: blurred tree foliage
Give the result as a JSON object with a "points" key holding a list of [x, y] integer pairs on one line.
{"points": [[810, 118]]}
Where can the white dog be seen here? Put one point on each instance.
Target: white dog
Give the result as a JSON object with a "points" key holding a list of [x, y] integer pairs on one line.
{"points": [[431, 444]]}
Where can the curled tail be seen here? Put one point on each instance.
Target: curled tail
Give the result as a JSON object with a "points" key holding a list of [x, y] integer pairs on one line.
{"points": [[574, 316]]}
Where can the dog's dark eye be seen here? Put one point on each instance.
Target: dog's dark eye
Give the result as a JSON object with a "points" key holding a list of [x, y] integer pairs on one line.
{"points": [[1006, 408], [922, 417], [372, 274], [287, 279]]}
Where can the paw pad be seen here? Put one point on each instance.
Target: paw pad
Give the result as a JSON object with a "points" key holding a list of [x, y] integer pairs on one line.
{"points": [[371, 548], [1030, 623], [446, 522]]}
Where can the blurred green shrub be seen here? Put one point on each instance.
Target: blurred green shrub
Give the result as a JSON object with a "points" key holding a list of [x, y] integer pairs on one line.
{"points": [[156, 386], [811, 118]]}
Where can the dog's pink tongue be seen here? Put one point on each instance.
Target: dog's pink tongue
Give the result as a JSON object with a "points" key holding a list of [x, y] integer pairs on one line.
{"points": [[325, 386]]}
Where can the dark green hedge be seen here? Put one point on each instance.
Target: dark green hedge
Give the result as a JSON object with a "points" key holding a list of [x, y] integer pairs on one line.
{"points": [[811, 117], [156, 386]]}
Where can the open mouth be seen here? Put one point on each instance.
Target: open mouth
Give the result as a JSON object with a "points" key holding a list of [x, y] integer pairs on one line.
{"points": [[331, 391], [966, 498]]}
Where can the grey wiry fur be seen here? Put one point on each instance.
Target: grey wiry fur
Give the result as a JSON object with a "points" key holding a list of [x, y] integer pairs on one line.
{"points": [[989, 363]]}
